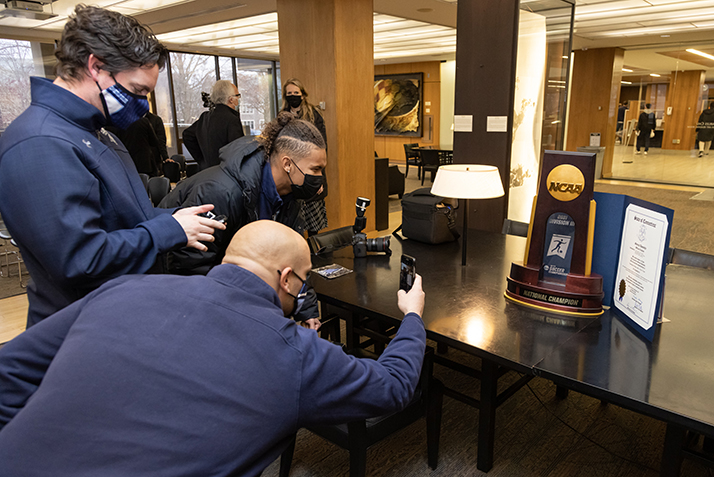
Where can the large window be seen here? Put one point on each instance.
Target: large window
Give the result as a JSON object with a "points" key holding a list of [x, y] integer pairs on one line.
{"points": [[255, 83], [16, 67]]}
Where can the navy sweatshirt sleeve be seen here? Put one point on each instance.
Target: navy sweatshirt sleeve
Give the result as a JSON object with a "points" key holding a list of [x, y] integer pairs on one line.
{"points": [[25, 359], [338, 388]]}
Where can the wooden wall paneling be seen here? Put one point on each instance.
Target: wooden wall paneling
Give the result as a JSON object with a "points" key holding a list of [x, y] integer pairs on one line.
{"points": [[594, 96], [486, 46], [328, 45], [683, 96]]}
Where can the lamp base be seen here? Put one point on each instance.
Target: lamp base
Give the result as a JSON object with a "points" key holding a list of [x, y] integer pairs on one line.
{"points": [[581, 296]]}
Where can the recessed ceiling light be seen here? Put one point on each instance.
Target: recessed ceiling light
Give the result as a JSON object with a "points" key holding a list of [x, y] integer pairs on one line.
{"points": [[565, 57], [700, 53], [626, 82], [655, 75], [425, 10], [627, 69]]}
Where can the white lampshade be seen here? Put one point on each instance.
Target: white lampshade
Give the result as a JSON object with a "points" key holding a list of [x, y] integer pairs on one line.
{"points": [[467, 181]]}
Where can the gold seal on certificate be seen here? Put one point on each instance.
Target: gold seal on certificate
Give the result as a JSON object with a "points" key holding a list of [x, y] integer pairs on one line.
{"points": [[555, 274]]}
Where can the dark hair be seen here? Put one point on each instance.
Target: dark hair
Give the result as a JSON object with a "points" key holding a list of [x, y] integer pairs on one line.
{"points": [[119, 41], [711, 105], [287, 134], [648, 105]]}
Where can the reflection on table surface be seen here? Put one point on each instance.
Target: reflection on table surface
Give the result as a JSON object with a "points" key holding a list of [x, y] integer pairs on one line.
{"points": [[465, 307], [672, 375]]}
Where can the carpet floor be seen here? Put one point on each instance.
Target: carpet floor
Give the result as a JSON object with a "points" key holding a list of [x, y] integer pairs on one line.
{"points": [[537, 434]]}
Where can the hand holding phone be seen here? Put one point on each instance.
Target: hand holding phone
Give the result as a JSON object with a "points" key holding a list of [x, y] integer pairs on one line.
{"points": [[407, 273], [413, 300]]}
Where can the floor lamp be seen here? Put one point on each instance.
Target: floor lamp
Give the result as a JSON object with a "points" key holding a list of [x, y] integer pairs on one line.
{"points": [[467, 181]]}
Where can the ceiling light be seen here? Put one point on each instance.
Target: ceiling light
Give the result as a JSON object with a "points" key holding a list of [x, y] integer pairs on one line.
{"points": [[627, 69], [655, 75], [700, 53], [626, 82]]}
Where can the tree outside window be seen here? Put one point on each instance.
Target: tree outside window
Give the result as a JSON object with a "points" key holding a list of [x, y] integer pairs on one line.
{"points": [[16, 67]]}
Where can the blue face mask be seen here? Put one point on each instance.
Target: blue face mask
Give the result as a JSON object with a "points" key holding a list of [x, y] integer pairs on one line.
{"points": [[122, 107], [300, 297]]}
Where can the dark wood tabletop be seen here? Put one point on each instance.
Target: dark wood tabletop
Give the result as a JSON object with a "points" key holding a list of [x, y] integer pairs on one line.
{"points": [[671, 379], [465, 306]]}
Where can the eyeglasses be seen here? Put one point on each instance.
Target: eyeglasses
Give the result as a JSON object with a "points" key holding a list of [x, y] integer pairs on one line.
{"points": [[235, 96]]}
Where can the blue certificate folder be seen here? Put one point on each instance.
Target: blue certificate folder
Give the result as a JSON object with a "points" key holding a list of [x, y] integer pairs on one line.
{"points": [[609, 224]]}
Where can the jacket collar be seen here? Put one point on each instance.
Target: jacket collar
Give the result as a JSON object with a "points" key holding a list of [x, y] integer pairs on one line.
{"points": [[227, 108], [237, 277], [66, 104]]}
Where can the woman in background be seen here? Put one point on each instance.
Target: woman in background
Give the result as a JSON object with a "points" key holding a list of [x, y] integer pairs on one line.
{"points": [[295, 101]]}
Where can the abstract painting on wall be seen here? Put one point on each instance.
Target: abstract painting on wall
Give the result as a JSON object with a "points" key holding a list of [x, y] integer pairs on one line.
{"points": [[397, 105]]}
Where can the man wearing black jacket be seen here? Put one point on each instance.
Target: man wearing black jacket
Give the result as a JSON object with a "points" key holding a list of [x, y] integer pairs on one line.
{"points": [[263, 178], [216, 127]]}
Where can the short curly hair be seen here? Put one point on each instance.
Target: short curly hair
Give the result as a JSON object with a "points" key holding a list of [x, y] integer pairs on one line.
{"points": [[119, 41]]}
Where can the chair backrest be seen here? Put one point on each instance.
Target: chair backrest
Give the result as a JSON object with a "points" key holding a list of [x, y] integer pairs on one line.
{"points": [[172, 170], [513, 227], [688, 258], [429, 157], [191, 168], [409, 150], [180, 159], [158, 188], [145, 180]]}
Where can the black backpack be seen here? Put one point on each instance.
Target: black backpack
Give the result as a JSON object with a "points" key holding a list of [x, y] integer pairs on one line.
{"points": [[427, 218], [651, 121]]}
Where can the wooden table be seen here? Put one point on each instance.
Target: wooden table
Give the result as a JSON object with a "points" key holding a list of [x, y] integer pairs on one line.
{"points": [[671, 379]]}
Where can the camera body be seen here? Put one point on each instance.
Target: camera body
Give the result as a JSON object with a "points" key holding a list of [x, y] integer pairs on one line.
{"points": [[360, 243]]}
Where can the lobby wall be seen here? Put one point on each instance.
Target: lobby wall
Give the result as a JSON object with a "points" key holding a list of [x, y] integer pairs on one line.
{"points": [[393, 146]]}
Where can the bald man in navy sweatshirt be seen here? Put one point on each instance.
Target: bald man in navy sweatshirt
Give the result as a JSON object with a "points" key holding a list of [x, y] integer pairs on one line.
{"points": [[163, 375]]}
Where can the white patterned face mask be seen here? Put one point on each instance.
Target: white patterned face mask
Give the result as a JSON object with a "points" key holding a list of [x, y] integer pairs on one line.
{"points": [[122, 107]]}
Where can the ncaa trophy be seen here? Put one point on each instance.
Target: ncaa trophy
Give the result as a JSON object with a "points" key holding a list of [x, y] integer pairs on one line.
{"points": [[556, 271]]}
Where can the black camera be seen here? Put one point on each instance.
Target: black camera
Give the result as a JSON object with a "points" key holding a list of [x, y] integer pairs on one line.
{"points": [[206, 98], [360, 243]]}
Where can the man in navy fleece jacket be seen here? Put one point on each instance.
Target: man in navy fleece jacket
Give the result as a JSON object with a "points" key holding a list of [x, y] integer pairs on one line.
{"points": [[167, 375]]}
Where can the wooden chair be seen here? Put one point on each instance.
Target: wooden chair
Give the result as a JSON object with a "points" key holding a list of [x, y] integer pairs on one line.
{"points": [[358, 436], [413, 158]]}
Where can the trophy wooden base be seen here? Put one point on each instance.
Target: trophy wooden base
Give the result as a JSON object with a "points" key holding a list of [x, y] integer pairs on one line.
{"points": [[581, 296]]}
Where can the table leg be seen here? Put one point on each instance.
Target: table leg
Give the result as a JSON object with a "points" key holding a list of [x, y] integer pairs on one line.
{"points": [[672, 455], [487, 415]]}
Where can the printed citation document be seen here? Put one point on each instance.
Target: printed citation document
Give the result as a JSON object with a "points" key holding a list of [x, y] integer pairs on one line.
{"points": [[639, 272]]}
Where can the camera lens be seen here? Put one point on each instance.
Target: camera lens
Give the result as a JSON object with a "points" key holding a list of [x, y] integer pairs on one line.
{"points": [[379, 244]]}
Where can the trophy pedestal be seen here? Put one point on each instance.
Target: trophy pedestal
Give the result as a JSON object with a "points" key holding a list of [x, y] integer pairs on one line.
{"points": [[580, 296]]}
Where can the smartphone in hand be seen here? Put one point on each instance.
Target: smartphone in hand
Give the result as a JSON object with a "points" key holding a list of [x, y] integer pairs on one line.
{"points": [[407, 273]]}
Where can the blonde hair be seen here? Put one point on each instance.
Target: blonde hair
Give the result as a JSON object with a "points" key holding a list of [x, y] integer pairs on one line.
{"points": [[307, 110]]}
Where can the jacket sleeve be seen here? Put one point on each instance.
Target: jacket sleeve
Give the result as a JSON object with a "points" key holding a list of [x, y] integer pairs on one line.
{"points": [[188, 260], [191, 141], [25, 359], [338, 388], [59, 206]]}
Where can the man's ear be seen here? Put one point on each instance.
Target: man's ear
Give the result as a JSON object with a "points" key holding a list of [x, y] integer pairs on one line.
{"points": [[94, 67], [285, 161], [283, 280]]}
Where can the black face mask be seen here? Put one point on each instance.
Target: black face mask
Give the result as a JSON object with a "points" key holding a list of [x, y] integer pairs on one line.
{"points": [[310, 186], [294, 100]]}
